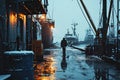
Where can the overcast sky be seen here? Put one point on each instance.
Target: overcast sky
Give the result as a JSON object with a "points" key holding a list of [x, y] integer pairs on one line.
{"points": [[66, 12]]}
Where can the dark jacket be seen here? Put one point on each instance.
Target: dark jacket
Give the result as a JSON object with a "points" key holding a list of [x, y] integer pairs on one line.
{"points": [[63, 43]]}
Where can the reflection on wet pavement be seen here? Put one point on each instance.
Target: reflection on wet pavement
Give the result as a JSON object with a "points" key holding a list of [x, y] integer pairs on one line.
{"points": [[45, 70], [63, 62], [74, 65]]}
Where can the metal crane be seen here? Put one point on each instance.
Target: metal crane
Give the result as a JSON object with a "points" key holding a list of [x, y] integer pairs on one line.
{"points": [[106, 21], [89, 17]]}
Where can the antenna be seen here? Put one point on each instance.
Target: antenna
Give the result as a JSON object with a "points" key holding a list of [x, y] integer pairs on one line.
{"points": [[74, 28]]}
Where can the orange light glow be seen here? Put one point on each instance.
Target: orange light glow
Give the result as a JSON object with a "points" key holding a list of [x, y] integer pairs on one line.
{"points": [[51, 26], [43, 17], [45, 70], [13, 18], [22, 16]]}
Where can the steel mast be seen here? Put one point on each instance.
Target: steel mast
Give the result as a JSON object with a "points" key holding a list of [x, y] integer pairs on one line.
{"points": [[118, 24]]}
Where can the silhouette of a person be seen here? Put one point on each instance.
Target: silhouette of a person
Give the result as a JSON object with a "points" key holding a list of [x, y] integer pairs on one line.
{"points": [[63, 45]]}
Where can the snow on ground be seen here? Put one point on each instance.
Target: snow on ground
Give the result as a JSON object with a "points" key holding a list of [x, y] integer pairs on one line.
{"points": [[76, 66]]}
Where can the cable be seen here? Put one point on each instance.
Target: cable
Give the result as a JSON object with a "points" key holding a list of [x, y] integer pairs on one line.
{"points": [[85, 16], [100, 14]]}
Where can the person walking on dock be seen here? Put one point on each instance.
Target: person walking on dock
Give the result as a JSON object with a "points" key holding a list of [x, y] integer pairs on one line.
{"points": [[63, 45]]}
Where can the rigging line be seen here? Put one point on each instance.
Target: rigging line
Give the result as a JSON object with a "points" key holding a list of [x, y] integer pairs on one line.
{"points": [[100, 14], [114, 10], [50, 13], [85, 16]]}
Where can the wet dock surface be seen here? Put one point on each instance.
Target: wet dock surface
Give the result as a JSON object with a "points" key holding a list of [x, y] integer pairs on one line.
{"points": [[74, 66]]}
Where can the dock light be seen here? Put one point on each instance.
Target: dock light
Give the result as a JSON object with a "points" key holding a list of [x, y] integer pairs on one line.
{"points": [[13, 18], [52, 24], [51, 27], [43, 17]]}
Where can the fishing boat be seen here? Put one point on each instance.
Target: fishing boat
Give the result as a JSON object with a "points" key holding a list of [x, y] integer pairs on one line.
{"points": [[72, 38], [89, 38]]}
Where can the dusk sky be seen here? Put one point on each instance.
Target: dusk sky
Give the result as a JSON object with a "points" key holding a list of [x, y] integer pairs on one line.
{"points": [[67, 12]]}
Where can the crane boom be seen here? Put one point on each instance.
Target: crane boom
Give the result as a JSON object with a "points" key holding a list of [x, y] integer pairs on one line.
{"points": [[105, 19], [88, 15], [105, 23], [108, 20]]}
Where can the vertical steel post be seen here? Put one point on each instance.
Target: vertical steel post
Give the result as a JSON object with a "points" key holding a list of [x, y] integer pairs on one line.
{"points": [[104, 35], [17, 31], [117, 24], [7, 23]]}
